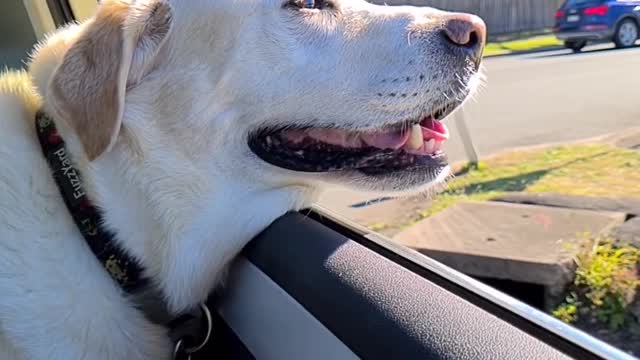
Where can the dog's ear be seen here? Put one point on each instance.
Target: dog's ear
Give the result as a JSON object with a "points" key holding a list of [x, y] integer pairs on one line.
{"points": [[114, 51]]}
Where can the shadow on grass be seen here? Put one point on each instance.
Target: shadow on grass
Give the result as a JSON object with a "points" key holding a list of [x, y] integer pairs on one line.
{"points": [[506, 184], [515, 183]]}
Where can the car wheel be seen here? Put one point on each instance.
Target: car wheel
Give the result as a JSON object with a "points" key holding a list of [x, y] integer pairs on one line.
{"points": [[575, 45], [626, 34]]}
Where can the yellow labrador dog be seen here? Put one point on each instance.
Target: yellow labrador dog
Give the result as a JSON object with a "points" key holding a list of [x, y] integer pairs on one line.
{"points": [[188, 127]]}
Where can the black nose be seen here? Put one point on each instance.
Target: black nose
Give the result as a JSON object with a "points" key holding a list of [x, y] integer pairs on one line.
{"points": [[467, 32]]}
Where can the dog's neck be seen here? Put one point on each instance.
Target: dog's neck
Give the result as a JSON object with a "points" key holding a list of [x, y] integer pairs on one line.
{"points": [[169, 222], [165, 208]]}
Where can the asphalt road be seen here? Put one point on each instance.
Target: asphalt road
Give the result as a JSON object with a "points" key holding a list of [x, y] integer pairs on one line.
{"points": [[545, 97]]}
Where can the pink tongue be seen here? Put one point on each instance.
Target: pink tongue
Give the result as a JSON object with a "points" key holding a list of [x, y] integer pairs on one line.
{"points": [[433, 129], [391, 140]]}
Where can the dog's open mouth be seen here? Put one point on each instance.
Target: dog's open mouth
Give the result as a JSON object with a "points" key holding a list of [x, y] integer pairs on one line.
{"points": [[408, 145]]}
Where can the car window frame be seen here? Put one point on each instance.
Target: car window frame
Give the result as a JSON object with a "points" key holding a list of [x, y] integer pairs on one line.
{"points": [[552, 331]]}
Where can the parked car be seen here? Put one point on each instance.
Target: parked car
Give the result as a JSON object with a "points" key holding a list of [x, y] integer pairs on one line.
{"points": [[581, 21]]}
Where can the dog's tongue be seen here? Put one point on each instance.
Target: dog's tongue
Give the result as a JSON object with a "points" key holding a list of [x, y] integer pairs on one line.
{"points": [[414, 138], [386, 140]]}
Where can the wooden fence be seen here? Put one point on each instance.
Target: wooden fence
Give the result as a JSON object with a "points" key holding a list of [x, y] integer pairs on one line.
{"points": [[502, 16]]}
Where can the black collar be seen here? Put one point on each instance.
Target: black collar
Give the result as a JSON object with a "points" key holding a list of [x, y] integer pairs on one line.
{"points": [[124, 269]]}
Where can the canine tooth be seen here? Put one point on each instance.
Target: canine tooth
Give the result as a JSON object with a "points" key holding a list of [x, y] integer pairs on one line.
{"points": [[415, 137], [429, 146]]}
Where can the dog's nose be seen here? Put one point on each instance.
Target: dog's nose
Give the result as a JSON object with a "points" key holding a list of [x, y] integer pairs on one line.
{"points": [[467, 32]]}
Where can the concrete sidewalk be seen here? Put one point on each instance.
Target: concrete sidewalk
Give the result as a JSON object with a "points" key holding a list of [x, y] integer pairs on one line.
{"points": [[529, 244]]}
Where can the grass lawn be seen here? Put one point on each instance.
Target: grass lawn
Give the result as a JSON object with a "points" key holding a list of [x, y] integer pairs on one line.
{"points": [[588, 169], [507, 47]]}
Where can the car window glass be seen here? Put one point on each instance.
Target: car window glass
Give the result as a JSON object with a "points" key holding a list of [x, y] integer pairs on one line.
{"points": [[583, 2], [18, 35]]}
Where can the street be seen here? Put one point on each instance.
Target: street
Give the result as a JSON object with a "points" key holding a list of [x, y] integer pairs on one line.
{"points": [[539, 98]]}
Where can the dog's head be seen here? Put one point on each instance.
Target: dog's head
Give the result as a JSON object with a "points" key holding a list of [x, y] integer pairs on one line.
{"points": [[285, 92]]}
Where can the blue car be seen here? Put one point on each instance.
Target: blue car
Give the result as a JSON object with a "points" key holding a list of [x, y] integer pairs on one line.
{"points": [[581, 21]]}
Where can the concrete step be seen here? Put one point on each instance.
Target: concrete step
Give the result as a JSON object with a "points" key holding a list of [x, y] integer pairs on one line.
{"points": [[523, 243]]}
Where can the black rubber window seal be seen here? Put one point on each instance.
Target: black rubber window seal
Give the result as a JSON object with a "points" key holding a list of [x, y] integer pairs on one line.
{"points": [[61, 12]]}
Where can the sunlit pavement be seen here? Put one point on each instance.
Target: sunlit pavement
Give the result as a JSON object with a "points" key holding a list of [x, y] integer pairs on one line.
{"points": [[544, 97]]}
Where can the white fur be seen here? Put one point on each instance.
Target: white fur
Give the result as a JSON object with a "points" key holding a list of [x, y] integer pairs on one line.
{"points": [[179, 186]]}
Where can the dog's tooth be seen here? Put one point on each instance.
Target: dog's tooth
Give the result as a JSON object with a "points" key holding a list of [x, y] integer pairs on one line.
{"points": [[415, 137], [429, 146]]}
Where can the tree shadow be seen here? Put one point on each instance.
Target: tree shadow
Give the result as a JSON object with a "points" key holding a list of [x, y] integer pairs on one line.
{"points": [[518, 182], [506, 184], [514, 183]]}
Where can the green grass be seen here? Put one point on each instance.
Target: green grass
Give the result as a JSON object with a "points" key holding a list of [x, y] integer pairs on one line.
{"points": [[379, 226], [533, 43], [605, 285], [588, 170]]}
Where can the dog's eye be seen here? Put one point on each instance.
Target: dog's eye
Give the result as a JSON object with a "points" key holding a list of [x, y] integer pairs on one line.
{"points": [[309, 4]]}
